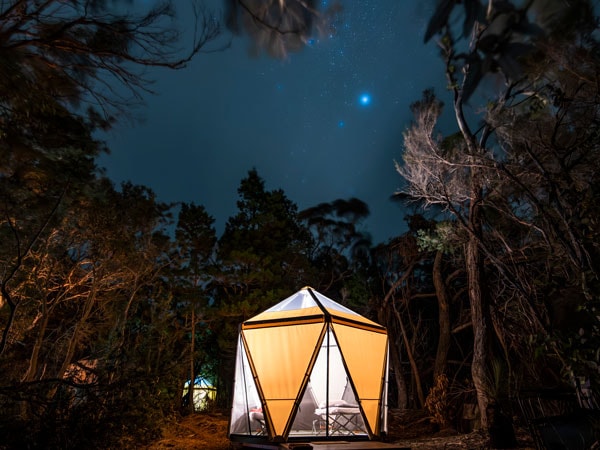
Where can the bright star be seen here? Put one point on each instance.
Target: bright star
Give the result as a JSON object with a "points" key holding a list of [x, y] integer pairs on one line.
{"points": [[364, 99]]}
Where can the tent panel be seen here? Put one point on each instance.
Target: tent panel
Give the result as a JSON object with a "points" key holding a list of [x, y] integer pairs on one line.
{"points": [[371, 410], [299, 304], [279, 411], [357, 322], [328, 364], [245, 396], [285, 315], [332, 306], [281, 357], [304, 422], [366, 368], [268, 319], [300, 300]]}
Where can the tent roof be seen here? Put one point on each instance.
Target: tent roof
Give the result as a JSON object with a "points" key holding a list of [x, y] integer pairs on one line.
{"points": [[309, 306]]}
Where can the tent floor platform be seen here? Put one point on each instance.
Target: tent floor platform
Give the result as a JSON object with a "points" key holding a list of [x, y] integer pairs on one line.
{"points": [[332, 445]]}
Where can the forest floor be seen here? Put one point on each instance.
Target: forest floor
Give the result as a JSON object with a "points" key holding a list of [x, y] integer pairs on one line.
{"points": [[204, 431]]}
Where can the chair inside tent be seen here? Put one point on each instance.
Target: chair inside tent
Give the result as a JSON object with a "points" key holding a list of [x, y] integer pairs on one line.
{"points": [[309, 368]]}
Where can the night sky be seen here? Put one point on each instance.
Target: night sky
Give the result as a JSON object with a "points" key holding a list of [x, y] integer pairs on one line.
{"points": [[325, 123]]}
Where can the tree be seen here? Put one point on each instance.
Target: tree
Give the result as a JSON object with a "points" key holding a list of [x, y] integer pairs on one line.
{"points": [[92, 305], [61, 55], [58, 57], [549, 168], [341, 250], [450, 177], [262, 257], [196, 239], [478, 174]]}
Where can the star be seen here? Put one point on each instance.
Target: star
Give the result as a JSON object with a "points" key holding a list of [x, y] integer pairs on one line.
{"points": [[364, 99]]}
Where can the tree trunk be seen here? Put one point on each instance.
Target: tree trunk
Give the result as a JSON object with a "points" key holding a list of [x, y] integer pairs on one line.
{"points": [[474, 263], [396, 366], [75, 337], [32, 368], [192, 368], [12, 312], [411, 358], [441, 357], [474, 266]]}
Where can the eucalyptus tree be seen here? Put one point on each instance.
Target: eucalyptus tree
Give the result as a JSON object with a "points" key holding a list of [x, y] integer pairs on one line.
{"points": [[551, 168], [497, 179]]}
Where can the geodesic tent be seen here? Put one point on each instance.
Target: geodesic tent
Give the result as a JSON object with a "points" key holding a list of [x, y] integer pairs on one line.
{"points": [[204, 393], [309, 368]]}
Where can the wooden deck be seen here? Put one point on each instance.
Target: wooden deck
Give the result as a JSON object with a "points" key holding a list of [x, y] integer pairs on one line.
{"points": [[330, 445]]}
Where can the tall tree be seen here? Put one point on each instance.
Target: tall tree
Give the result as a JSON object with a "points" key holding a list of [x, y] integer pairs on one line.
{"points": [[455, 184], [477, 175], [196, 239], [263, 257]]}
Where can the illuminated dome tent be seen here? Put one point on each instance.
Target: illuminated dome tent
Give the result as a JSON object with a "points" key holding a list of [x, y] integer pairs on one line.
{"points": [[309, 368]]}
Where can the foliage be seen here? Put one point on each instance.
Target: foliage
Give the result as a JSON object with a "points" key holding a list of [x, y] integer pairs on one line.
{"points": [[63, 55], [84, 308], [440, 239], [437, 402], [262, 257], [280, 27], [518, 183], [341, 250]]}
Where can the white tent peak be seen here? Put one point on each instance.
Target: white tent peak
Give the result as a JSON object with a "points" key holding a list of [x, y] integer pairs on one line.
{"points": [[308, 298], [308, 303]]}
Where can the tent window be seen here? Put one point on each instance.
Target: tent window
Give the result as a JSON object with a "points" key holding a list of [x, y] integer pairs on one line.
{"points": [[247, 408], [329, 406]]}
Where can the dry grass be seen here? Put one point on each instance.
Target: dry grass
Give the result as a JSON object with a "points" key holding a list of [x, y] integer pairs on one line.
{"points": [[195, 432], [409, 428]]}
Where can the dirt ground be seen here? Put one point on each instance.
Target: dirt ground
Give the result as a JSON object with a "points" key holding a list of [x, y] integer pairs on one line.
{"points": [[412, 429]]}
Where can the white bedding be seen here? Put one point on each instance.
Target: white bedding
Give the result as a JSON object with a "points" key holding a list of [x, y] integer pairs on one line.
{"points": [[333, 410]]}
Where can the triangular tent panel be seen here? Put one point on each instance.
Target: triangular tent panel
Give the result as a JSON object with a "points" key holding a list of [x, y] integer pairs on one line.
{"points": [[309, 368], [280, 372], [362, 365]]}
